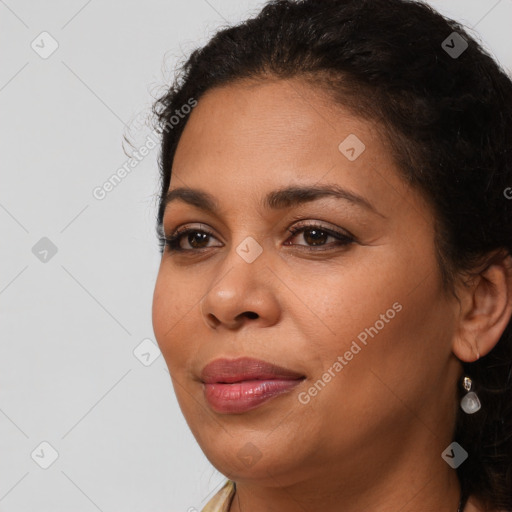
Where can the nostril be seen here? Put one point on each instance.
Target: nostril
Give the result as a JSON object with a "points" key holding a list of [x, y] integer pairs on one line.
{"points": [[213, 320], [251, 315]]}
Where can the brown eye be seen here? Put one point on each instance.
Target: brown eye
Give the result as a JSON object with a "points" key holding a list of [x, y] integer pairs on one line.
{"points": [[197, 239], [318, 236], [188, 240], [314, 236]]}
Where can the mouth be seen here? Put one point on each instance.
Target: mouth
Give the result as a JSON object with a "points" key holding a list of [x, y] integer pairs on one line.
{"points": [[239, 385]]}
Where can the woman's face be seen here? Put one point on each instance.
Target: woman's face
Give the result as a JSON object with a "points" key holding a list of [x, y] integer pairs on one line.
{"points": [[364, 322]]}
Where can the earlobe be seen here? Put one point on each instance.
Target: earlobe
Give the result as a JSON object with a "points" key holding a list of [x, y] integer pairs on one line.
{"points": [[486, 309]]}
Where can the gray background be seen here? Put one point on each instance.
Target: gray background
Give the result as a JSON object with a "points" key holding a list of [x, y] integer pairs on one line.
{"points": [[71, 321]]}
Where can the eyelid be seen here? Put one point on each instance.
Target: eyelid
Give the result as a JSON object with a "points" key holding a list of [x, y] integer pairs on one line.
{"points": [[292, 229], [320, 224], [342, 237]]}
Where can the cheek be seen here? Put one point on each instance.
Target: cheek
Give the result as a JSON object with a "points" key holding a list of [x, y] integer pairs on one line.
{"points": [[337, 303], [174, 304], [384, 318]]}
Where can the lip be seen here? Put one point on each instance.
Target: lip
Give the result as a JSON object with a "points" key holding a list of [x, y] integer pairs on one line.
{"points": [[239, 385], [244, 368]]}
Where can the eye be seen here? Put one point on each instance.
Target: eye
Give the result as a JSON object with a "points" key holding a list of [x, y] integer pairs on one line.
{"points": [[187, 239], [195, 238], [316, 235]]}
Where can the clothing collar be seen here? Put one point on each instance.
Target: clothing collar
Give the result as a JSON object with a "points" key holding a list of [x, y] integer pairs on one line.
{"points": [[222, 500]]}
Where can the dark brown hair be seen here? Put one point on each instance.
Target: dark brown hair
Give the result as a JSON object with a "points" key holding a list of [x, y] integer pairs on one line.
{"points": [[448, 121]]}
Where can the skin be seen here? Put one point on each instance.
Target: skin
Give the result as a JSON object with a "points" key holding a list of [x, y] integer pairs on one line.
{"points": [[371, 439]]}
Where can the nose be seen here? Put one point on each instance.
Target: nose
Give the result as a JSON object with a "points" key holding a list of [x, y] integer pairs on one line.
{"points": [[243, 294]]}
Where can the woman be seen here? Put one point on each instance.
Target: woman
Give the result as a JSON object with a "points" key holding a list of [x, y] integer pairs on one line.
{"points": [[334, 297]]}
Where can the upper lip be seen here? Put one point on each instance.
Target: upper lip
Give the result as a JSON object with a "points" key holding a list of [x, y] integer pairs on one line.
{"points": [[244, 368]]}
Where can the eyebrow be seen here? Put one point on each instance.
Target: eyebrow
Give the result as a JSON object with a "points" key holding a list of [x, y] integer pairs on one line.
{"points": [[275, 200]]}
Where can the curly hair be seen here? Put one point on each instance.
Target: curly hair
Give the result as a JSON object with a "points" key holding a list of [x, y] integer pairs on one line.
{"points": [[447, 119]]}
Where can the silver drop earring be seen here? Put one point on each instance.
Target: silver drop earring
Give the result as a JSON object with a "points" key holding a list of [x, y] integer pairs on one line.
{"points": [[470, 402]]}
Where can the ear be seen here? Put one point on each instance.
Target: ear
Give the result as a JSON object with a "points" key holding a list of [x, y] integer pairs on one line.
{"points": [[486, 308]]}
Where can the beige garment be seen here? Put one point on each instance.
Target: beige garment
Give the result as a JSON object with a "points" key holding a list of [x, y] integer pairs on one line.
{"points": [[222, 500]]}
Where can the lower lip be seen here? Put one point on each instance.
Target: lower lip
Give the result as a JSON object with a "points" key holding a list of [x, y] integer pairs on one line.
{"points": [[243, 396]]}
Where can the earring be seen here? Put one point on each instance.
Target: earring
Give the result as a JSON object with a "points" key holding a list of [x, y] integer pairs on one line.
{"points": [[470, 402]]}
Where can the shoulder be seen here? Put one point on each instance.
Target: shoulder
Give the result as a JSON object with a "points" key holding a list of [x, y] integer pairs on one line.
{"points": [[222, 499]]}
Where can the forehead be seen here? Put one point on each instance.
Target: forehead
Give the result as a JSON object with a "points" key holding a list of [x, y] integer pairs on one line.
{"points": [[273, 124], [244, 139], [263, 110]]}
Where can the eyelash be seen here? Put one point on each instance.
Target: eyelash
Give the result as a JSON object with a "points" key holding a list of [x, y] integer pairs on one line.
{"points": [[172, 242]]}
